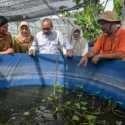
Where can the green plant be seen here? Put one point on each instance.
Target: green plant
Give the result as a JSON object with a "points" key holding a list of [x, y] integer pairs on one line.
{"points": [[73, 110], [118, 8], [87, 18]]}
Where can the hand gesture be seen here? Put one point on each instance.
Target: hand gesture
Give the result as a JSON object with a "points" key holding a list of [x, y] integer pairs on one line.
{"points": [[32, 51], [84, 60], [96, 59], [69, 53]]}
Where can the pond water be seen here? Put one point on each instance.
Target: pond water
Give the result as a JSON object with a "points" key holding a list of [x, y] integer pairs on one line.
{"points": [[15, 101], [23, 106]]}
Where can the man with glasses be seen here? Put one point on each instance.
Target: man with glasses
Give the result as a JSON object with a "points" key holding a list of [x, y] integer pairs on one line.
{"points": [[111, 44], [5, 37], [49, 41]]}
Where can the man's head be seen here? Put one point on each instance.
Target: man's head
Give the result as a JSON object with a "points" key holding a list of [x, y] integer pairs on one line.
{"points": [[47, 25], [108, 22], [3, 25]]}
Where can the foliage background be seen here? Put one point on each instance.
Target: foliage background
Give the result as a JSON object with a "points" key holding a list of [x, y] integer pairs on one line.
{"points": [[118, 8], [87, 19], [88, 16]]}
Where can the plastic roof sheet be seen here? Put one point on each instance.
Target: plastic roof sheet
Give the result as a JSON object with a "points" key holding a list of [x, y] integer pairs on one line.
{"points": [[26, 9]]}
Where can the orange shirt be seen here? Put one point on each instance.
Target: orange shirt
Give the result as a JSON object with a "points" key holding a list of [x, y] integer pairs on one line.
{"points": [[111, 44]]}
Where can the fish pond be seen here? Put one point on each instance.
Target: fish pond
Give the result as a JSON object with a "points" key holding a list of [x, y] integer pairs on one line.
{"points": [[56, 106]]}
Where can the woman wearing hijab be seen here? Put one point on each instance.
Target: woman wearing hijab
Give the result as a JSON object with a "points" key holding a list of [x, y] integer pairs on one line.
{"points": [[80, 46], [24, 39], [5, 37]]}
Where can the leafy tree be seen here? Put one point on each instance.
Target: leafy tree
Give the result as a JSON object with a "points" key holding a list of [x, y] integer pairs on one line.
{"points": [[87, 18], [118, 8]]}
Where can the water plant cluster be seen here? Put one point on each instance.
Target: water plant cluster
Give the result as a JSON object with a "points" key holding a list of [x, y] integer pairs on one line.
{"points": [[76, 107], [69, 107]]}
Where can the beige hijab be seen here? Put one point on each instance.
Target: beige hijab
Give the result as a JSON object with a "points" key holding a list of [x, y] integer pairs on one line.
{"points": [[80, 46], [21, 38], [23, 41]]}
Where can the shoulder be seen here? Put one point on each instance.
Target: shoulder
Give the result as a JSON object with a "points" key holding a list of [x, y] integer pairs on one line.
{"points": [[8, 34], [59, 34], [100, 40], [102, 36], [121, 31], [57, 31], [16, 36], [8, 37]]}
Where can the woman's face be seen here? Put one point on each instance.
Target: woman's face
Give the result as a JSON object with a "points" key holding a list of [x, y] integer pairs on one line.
{"points": [[24, 30], [4, 29], [76, 34]]}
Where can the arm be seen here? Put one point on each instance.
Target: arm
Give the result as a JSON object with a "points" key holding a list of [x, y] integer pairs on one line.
{"points": [[85, 58], [34, 47], [116, 55], [85, 49], [94, 51], [88, 55], [8, 51], [35, 43], [8, 46]]}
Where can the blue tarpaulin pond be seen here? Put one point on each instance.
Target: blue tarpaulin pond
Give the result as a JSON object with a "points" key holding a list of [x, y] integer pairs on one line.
{"points": [[106, 79]]}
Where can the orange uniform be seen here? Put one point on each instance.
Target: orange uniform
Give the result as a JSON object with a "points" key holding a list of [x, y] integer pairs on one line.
{"points": [[111, 44]]}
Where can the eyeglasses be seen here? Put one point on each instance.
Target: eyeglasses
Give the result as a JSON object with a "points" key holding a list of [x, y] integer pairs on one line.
{"points": [[46, 29]]}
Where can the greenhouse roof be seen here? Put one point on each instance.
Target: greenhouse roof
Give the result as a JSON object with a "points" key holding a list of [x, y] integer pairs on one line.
{"points": [[27, 9]]}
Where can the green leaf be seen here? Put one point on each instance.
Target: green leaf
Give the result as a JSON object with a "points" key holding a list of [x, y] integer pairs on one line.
{"points": [[91, 119], [83, 108], [68, 103], [77, 105], [75, 118]]}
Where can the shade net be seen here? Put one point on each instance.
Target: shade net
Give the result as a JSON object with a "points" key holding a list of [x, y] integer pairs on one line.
{"points": [[28, 9]]}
